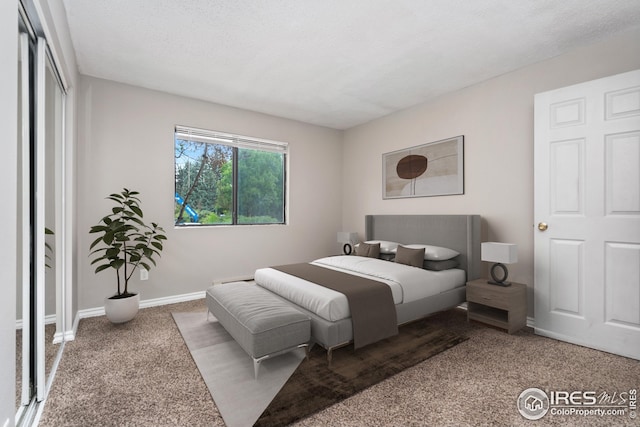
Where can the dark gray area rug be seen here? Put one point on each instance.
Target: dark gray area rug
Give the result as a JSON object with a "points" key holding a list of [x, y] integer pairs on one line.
{"points": [[316, 384]]}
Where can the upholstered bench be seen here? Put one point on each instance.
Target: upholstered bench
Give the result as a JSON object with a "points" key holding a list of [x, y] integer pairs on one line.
{"points": [[263, 324]]}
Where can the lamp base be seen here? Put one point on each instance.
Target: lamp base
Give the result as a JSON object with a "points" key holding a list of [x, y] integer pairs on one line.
{"points": [[347, 249], [500, 280], [505, 284]]}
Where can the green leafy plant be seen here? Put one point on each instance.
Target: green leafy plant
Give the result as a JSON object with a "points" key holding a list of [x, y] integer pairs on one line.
{"points": [[125, 241]]}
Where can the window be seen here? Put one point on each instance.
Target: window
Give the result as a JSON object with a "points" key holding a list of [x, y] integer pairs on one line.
{"points": [[228, 179]]}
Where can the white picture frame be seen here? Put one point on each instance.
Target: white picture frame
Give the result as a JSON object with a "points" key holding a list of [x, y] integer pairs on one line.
{"points": [[427, 170]]}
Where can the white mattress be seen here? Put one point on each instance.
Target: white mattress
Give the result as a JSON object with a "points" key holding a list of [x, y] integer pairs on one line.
{"points": [[407, 284]]}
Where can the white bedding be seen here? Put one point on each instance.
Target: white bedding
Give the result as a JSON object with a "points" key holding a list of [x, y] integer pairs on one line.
{"points": [[407, 283]]}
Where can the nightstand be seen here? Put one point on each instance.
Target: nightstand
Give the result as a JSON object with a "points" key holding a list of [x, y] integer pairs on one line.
{"points": [[500, 306]]}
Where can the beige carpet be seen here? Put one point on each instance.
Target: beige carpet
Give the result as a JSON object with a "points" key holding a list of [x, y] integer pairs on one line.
{"points": [[135, 374], [141, 374]]}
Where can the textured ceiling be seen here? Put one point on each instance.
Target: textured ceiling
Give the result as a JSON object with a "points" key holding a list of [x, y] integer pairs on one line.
{"points": [[336, 63]]}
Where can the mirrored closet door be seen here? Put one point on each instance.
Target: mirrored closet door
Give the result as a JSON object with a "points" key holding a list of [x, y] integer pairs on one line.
{"points": [[50, 120], [39, 302]]}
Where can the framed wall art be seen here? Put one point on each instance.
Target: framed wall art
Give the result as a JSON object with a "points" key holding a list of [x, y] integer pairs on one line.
{"points": [[433, 169]]}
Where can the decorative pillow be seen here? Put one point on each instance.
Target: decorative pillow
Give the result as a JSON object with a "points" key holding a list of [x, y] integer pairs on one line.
{"points": [[409, 256], [386, 247], [371, 250], [435, 253], [440, 265]]}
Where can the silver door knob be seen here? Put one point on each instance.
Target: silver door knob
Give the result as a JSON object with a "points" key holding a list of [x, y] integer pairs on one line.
{"points": [[542, 226]]}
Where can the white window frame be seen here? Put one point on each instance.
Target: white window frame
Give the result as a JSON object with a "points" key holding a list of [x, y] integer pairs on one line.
{"points": [[238, 141]]}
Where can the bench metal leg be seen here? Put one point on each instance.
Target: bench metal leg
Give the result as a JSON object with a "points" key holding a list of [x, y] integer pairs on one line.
{"points": [[256, 366], [258, 360], [307, 348], [335, 347]]}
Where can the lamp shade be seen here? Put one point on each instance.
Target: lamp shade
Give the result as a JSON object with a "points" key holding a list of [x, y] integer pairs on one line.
{"points": [[347, 237], [504, 253]]}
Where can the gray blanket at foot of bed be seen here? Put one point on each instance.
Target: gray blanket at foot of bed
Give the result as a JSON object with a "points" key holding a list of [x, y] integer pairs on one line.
{"points": [[373, 313]]}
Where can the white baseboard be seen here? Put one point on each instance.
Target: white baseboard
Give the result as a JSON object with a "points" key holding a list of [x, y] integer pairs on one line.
{"points": [[70, 335], [90, 312], [58, 337], [531, 322], [99, 311]]}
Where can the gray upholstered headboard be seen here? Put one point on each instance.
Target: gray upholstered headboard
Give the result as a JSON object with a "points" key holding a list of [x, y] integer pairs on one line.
{"points": [[458, 232]]}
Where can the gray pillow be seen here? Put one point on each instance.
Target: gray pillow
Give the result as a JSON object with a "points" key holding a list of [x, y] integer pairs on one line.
{"points": [[408, 256], [371, 250], [440, 265]]}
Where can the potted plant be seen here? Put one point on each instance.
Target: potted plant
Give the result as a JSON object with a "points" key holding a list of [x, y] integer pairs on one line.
{"points": [[125, 243]]}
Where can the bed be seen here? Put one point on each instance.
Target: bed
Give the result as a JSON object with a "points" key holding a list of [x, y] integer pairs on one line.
{"points": [[331, 324]]}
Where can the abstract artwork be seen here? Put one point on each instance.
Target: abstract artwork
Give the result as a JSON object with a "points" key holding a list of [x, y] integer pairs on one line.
{"points": [[433, 169]]}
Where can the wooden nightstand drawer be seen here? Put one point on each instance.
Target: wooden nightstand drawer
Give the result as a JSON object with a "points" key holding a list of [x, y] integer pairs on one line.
{"points": [[503, 307], [492, 297]]}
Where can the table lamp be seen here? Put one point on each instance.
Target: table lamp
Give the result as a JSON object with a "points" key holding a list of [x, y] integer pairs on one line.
{"points": [[501, 254], [349, 238]]}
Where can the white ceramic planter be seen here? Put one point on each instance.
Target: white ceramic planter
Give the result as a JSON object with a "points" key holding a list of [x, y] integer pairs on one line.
{"points": [[122, 309]]}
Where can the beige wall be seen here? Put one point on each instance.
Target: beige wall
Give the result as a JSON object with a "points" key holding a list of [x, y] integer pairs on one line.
{"points": [[496, 119], [125, 136], [125, 139]]}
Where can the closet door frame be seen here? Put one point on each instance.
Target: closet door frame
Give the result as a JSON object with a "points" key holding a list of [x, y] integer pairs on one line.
{"points": [[38, 69], [25, 225]]}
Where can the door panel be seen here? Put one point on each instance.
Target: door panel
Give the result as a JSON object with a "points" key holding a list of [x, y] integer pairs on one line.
{"points": [[566, 265], [623, 103], [567, 176], [587, 189], [623, 166], [622, 263], [567, 113]]}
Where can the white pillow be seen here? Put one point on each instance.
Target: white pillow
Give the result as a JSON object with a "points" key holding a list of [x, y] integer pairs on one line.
{"points": [[385, 246], [435, 253]]}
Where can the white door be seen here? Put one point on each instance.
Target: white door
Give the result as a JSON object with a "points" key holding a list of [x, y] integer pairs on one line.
{"points": [[587, 196]]}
